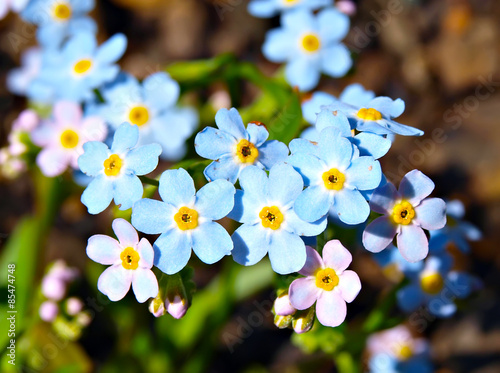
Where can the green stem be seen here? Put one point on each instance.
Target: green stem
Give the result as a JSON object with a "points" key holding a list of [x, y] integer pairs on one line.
{"points": [[149, 181]]}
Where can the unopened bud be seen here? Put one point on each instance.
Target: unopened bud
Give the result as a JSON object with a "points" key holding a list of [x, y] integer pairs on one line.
{"points": [[282, 305], [303, 321]]}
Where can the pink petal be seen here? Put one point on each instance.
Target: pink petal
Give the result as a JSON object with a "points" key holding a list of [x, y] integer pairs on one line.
{"points": [[144, 284], [283, 307], [146, 254], [93, 129], [349, 285], [53, 161], [126, 233], [336, 256], [67, 113], [303, 293], [115, 282], [331, 309], [313, 262]]}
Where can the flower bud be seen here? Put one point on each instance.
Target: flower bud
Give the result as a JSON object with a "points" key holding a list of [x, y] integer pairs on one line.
{"points": [[48, 311], [73, 306], [282, 322], [282, 306], [172, 297], [303, 321]]}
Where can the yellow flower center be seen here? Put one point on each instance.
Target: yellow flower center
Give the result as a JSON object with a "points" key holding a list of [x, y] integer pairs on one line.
{"points": [[271, 217], [69, 139], [139, 116], [62, 11], [113, 165], [327, 279], [310, 43], [186, 218], [403, 213], [333, 179], [432, 284], [82, 66], [246, 151], [290, 2], [404, 352], [369, 114], [130, 258]]}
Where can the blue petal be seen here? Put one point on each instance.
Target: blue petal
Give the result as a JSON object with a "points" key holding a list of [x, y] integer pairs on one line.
{"points": [[287, 252], [223, 168], [262, 8], [211, 242], [303, 228], [246, 209], [215, 200], [213, 144], [430, 213], [298, 19], [172, 251], [336, 60], [333, 26], [128, 190], [160, 91], [91, 162], [271, 153], [351, 206], [152, 217], [460, 284], [410, 297], [412, 243], [387, 106], [278, 45], [364, 173], [144, 159], [470, 231], [337, 119], [257, 134], [384, 198], [312, 107], [313, 203], [371, 144], [442, 307], [111, 50], [125, 138], [285, 184], [455, 209], [415, 186], [304, 145], [254, 182], [303, 73], [177, 187], [98, 195], [335, 150], [356, 95], [231, 122], [250, 244], [309, 166], [379, 234]]}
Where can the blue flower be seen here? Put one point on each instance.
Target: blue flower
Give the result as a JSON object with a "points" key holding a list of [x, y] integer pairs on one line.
{"points": [[309, 44], [270, 225], [15, 5], [59, 19], [407, 213], [393, 265], [185, 220], [375, 116], [335, 175], [456, 231], [18, 80], [130, 263], [115, 170], [436, 286], [81, 66], [151, 106], [233, 148], [269, 8]]}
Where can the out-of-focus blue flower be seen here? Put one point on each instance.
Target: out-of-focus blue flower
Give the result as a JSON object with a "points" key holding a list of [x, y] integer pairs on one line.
{"points": [[375, 116], [436, 287], [62, 137], [232, 147], [456, 231], [335, 175], [185, 220], [130, 263], [15, 5], [393, 265], [59, 19], [116, 170], [270, 225], [81, 66], [269, 8], [18, 80], [309, 44], [397, 351], [152, 107], [407, 213]]}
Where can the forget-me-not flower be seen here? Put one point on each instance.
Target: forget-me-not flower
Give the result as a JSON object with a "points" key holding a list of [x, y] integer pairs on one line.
{"points": [[80, 66], [335, 175], [232, 147], [270, 225], [309, 44], [407, 213], [185, 219], [269, 8], [393, 265], [116, 170], [327, 282], [62, 137], [151, 105], [19, 79], [59, 19], [15, 5], [130, 263]]}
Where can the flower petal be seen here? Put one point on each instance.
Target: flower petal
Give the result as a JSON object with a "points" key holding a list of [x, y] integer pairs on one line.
{"points": [[412, 243], [160, 90], [371, 144], [230, 121], [213, 144], [177, 187], [313, 203], [53, 161], [303, 73], [303, 293], [364, 173], [335, 150], [410, 297], [431, 213], [303, 228], [112, 49], [313, 262], [336, 256], [337, 119], [384, 198], [125, 232], [287, 252], [172, 251], [271, 153], [103, 249], [415, 186], [91, 162], [333, 25], [379, 234], [349, 285], [254, 182], [98, 194], [146, 253], [143, 160], [387, 106], [152, 217], [331, 309], [257, 133], [125, 138], [211, 242], [215, 200], [277, 46], [336, 60], [144, 284], [115, 282], [308, 165], [285, 184], [225, 168], [351, 207], [250, 244], [128, 190]]}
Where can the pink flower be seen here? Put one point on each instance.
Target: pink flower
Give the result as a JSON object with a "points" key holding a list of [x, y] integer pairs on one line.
{"points": [[327, 283]]}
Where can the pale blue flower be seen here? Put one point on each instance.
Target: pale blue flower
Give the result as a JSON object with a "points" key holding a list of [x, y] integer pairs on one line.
{"points": [[269, 8]]}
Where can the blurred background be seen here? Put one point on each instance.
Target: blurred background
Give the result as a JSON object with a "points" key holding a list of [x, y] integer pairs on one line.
{"points": [[440, 56]]}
